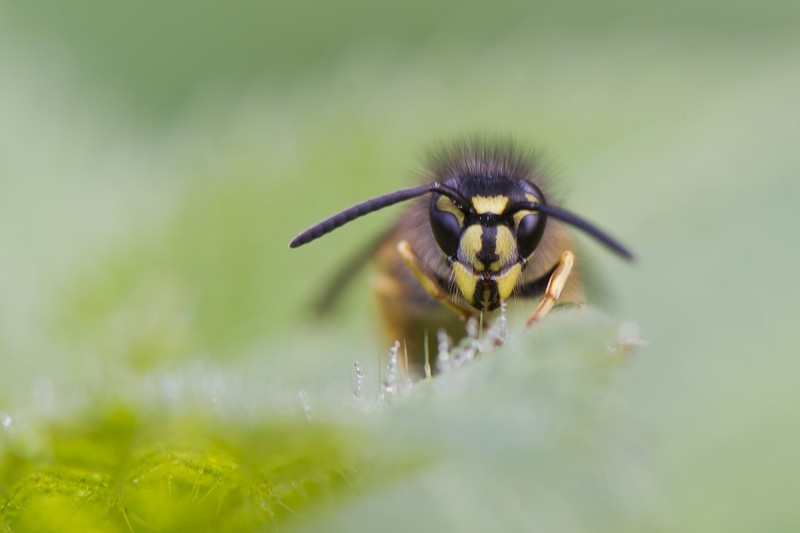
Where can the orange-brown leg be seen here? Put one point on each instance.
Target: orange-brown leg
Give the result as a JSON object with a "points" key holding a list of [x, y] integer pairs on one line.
{"points": [[428, 281], [554, 287]]}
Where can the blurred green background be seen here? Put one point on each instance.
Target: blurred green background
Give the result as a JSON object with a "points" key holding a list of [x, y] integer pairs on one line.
{"points": [[155, 159]]}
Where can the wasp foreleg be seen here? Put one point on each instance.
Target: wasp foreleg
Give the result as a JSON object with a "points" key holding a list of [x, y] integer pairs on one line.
{"points": [[429, 281], [554, 287]]}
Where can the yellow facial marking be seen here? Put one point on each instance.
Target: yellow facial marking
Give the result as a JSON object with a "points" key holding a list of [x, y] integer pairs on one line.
{"points": [[519, 215], [470, 245], [446, 204], [465, 280], [490, 204], [531, 198], [506, 282], [505, 247]]}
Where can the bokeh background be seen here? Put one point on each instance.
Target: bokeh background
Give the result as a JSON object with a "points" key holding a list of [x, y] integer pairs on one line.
{"points": [[156, 158]]}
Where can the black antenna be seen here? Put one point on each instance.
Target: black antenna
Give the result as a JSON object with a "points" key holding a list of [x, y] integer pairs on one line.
{"points": [[364, 208], [580, 223]]}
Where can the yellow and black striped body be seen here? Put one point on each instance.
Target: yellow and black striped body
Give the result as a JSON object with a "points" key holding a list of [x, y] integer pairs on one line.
{"points": [[486, 267], [487, 233]]}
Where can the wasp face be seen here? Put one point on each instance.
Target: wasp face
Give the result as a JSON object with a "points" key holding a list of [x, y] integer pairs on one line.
{"points": [[485, 238]]}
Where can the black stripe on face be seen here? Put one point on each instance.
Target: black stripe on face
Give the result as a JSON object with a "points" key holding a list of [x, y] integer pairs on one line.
{"points": [[488, 253]]}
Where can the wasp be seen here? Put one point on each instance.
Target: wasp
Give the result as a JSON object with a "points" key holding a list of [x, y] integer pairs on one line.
{"points": [[482, 229]]}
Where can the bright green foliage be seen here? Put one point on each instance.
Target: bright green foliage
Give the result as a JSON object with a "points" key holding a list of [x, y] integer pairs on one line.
{"points": [[120, 473]]}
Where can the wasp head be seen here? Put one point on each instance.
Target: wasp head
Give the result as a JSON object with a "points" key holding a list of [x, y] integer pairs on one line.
{"points": [[487, 235]]}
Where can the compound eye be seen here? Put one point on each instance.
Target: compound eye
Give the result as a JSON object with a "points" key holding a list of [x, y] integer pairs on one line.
{"points": [[445, 224], [530, 229]]}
